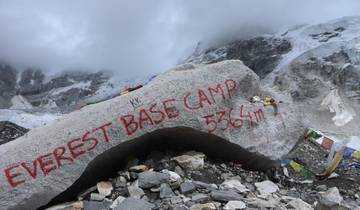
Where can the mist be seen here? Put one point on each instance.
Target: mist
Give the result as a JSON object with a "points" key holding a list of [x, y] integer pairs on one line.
{"points": [[140, 37]]}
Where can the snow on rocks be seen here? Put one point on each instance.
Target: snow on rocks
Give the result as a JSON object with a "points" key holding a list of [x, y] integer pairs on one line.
{"points": [[194, 97]]}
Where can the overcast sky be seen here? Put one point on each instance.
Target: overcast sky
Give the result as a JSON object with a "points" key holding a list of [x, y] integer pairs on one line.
{"points": [[136, 37]]}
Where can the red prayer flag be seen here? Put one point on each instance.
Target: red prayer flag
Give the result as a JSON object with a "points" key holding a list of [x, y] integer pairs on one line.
{"points": [[327, 143]]}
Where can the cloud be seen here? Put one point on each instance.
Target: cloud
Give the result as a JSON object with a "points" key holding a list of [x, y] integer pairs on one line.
{"points": [[135, 37]]}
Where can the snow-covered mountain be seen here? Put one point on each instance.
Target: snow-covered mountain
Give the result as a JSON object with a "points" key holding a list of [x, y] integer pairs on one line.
{"points": [[31, 98], [316, 66]]}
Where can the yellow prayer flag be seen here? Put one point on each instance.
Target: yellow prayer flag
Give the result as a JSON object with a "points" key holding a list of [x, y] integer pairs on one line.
{"points": [[297, 167], [356, 154]]}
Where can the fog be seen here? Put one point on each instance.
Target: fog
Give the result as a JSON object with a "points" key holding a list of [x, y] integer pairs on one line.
{"points": [[137, 37]]}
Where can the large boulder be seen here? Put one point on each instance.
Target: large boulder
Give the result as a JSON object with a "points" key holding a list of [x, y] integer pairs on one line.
{"points": [[211, 99]]}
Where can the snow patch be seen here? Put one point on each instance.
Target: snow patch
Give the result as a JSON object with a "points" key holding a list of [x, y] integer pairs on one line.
{"points": [[19, 102], [343, 112], [79, 85], [27, 120]]}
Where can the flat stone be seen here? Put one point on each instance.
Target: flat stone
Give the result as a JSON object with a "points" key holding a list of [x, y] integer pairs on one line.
{"points": [[96, 197], [166, 191], [203, 185], [270, 202], [179, 171], [332, 195], [117, 202], [221, 195], [96, 205], [138, 168], [191, 160], [135, 191], [200, 198], [134, 204], [299, 204], [79, 205], [180, 208], [119, 181], [151, 179], [234, 205], [176, 200], [104, 188], [205, 206], [321, 188], [174, 177], [266, 187], [187, 187], [234, 185]]}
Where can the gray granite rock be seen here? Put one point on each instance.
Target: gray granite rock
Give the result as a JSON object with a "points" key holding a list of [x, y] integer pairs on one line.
{"points": [[151, 179]]}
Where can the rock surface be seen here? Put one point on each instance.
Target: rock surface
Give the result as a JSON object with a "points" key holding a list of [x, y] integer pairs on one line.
{"points": [[206, 98], [10, 131]]}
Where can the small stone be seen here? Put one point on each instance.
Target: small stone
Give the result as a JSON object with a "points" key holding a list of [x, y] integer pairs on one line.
{"points": [[134, 204], [165, 191], [206, 206], [200, 198], [321, 188], [117, 202], [299, 204], [86, 192], [191, 160], [119, 181], [266, 187], [138, 168], [151, 179], [187, 188], [174, 177], [104, 188], [125, 174], [221, 195], [234, 185], [96, 197], [79, 205], [133, 175], [333, 195], [155, 189], [180, 208], [234, 205], [90, 205], [135, 191], [176, 200], [179, 171], [261, 203]]}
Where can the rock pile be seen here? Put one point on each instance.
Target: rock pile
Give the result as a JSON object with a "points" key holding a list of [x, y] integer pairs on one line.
{"points": [[10, 131], [162, 183]]}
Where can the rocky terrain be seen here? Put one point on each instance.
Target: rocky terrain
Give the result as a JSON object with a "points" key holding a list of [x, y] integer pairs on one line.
{"points": [[308, 64], [192, 181]]}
